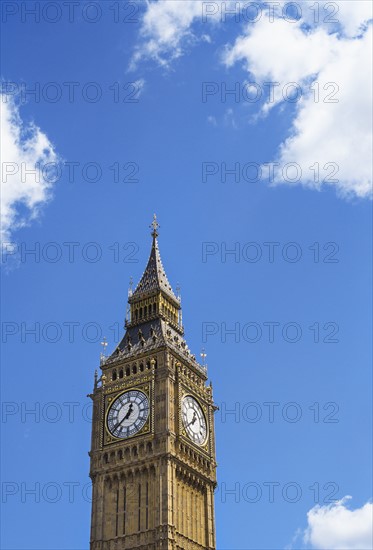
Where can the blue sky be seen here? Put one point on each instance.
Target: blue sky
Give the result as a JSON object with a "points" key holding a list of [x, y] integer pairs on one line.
{"points": [[179, 142]]}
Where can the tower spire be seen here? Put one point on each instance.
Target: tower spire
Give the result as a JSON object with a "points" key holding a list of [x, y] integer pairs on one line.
{"points": [[154, 226], [154, 277], [153, 297]]}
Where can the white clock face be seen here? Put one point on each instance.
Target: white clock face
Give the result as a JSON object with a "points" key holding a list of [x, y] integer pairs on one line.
{"points": [[128, 414], [194, 420]]}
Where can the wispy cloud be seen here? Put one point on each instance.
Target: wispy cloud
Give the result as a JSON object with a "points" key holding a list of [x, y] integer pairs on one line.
{"points": [[26, 153], [139, 86], [212, 120], [166, 30]]}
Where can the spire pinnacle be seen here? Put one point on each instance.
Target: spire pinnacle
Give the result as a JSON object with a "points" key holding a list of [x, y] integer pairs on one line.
{"points": [[154, 226], [154, 277]]}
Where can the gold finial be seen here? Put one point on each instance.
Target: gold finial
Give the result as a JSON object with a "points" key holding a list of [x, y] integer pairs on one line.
{"points": [[154, 226], [203, 355]]}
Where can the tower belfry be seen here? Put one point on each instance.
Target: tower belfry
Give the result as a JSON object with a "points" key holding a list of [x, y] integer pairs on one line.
{"points": [[153, 465]]}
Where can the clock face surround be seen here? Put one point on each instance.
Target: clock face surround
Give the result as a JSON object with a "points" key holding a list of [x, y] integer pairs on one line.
{"points": [[128, 414], [194, 420]]}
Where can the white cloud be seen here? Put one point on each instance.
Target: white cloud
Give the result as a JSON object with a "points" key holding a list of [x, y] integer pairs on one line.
{"points": [[351, 16], [25, 150], [336, 135], [165, 28], [339, 132], [334, 138], [279, 52], [335, 527]]}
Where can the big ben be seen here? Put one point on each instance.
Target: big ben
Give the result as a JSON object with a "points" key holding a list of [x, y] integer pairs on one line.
{"points": [[153, 465]]}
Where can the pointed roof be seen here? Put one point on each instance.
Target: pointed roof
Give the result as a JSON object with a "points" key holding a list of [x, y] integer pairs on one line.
{"points": [[155, 334], [154, 277]]}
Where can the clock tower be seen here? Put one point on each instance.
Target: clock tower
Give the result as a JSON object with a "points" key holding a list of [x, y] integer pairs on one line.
{"points": [[153, 465]]}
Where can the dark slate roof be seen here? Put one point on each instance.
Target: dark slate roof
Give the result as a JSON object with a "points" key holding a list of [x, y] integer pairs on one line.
{"points": [[154, 276], [147, 337]]}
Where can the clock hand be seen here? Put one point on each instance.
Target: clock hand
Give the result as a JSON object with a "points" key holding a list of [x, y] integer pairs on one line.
{"points": [[129, 412], [193, 419], [125, 417]]}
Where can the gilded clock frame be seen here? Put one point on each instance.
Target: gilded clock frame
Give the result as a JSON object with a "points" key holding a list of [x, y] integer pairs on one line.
{"points": [[110, 397], [205, 412]]}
